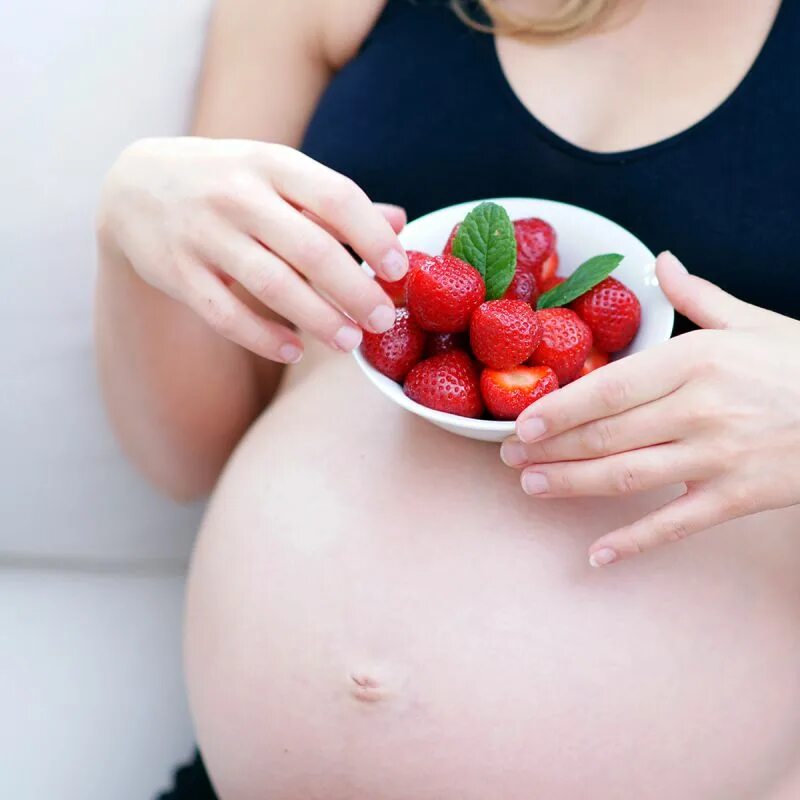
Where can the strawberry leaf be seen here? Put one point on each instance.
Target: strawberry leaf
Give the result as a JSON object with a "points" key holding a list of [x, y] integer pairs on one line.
{"points": [[586, 277], [486, 240]]}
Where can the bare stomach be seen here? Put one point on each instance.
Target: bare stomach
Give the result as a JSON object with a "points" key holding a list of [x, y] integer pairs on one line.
{"points": [[377, 612]]}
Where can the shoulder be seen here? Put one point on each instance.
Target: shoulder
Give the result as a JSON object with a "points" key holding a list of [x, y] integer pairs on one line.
{"points": [[345, 26], [349, 23]]}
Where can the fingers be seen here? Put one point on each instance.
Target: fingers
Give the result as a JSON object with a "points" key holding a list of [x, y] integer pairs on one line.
{"points": [[272, 281], [651, 424], [695, 511], [701, 301], [344, 207], [322, 260], [231, 318], [620, 474], [394, 215], [622, 385]]}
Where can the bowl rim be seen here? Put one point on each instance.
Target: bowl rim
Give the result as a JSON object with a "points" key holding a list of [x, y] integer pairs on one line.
{"points": [[395, 392]]}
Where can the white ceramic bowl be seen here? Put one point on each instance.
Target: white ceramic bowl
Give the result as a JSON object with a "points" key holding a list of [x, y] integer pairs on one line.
{"points": [[581, 235]]}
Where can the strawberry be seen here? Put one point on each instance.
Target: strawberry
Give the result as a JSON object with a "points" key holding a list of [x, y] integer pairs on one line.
{"points": [[397, 289], [613, 313], [504, 333], [444, 342], [447, 382], [442, 292], [595, 360], [536, 244], [448, 248], [397, 350], [565, 343], [550, 283], [523, 286], [508, 392], [548, 269]]}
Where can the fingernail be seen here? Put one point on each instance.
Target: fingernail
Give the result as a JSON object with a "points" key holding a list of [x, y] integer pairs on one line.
{"points": [[678, 263], [290, 353], [513, 454], [381, 319], [347, 338], [602, 557], [394, 265], [534, 483], [531, 429]]}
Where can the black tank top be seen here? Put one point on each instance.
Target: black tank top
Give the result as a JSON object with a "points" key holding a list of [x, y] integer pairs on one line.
{"points": [[424, 117]]}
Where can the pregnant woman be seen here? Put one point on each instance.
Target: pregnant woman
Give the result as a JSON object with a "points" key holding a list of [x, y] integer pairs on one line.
{"points": [[376, 610]]}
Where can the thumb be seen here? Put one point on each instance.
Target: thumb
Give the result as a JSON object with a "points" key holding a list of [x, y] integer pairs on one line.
{"points": [[702, 302]]}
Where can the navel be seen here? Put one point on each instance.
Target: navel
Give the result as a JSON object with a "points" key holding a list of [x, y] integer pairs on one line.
{"points": [[366, 687]]}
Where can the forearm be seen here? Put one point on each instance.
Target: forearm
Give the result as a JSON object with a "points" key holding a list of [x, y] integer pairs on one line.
{"points": [[183, 385], [178, 395]]}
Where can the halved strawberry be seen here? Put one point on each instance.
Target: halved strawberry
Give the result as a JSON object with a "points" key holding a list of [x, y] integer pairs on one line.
{"points": [[508, 392], [595, 360], [447, 382], [397, 289], [550, 283], [548, 269], [397, 350]]}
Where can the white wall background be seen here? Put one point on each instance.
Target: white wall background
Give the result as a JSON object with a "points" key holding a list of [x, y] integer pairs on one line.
{"points": [[91, 560]]}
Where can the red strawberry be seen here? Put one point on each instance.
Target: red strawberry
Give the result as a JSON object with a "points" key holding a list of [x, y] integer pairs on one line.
{"points": [[566, 341], [523, 287], [415, 258], [547, 271], [448, 248], [504, 333], [613, 313], [447, 382], [595, 360], [444, 342], [442, 292], [536, 243], [397, 350], [550, 283], [508, 392], [397, 289]]}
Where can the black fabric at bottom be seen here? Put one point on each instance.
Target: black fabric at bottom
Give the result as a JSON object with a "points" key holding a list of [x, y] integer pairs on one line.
{"points": [[191, 783]]}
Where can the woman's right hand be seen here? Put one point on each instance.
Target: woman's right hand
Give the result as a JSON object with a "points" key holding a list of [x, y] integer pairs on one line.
{"points": [[190, 214]]}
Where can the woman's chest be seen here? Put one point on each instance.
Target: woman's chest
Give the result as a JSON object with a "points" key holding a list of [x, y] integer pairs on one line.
{"points": [[425, 117]]}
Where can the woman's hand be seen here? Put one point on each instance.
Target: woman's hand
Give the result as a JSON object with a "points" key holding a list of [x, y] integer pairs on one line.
{"points": [[193, 215], [717, 409]]}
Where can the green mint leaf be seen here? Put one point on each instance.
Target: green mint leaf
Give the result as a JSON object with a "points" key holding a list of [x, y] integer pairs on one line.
{"points": [[486, 240], [587, 276]]}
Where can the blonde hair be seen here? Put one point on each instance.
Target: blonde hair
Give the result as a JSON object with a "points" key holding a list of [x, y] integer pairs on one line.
{"points": [[574, 16]]}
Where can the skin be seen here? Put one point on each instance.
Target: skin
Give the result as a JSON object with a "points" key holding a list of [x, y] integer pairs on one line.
{"points": [[716, 410], [338, 635], [176, 214]]}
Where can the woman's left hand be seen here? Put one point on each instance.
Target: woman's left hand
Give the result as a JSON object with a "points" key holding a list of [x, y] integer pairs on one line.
{"points": [[716, 409]]}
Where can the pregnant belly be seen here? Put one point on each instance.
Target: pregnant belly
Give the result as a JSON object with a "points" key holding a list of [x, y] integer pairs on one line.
{"points": [[376, 612]]}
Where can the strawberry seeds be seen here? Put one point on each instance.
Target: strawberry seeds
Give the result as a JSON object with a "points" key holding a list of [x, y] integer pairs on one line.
{"points": [[488, 327]]}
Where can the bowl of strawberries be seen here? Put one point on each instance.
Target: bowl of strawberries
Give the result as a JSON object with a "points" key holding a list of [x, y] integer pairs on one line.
{"points": [[505, 301]]}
